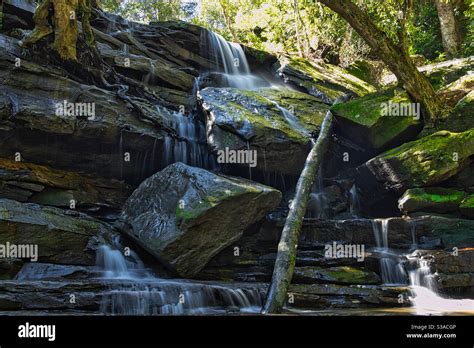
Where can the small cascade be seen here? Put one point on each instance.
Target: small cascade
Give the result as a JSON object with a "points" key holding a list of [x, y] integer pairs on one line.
{"points": [[291, 119], [354, 202], [134, 290], [426, 298], [391, 269], [231, 58], [317, 205], [192, 149], [178, 297], [114, 265], [422, 280]]}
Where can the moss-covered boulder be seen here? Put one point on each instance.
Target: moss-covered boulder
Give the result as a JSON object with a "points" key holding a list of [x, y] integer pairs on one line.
{"points": [[336, 275], [276, 123], [324, 81], [379, 120], [425, 162], [184, 216], [431, 199], [467, 206], [61, 236], [27, 182]]}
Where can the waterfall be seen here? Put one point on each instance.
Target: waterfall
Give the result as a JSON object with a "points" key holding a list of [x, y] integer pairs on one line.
{"points": [[422, 280], [317, 204], [426, 298], [354, 201], [231, 58], [134, 290], [391, 269], [191, 149]]}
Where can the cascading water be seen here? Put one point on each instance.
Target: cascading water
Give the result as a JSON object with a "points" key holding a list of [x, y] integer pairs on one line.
{"points": [[354, 201], [422, 280], [391, 269], [135, 291], [231, 57], [317, 205], [191, 148], [426, 298]]}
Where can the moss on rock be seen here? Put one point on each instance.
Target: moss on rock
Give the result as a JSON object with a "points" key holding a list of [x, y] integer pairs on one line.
{"points": [[424, 162], [378, 120], [431, 199]]}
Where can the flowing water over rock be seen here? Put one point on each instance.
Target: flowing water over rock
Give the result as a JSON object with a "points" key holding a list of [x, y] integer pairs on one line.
{"points": [[191, 149], [134, 290], [426, 298], [231, 57], [391, 269]]}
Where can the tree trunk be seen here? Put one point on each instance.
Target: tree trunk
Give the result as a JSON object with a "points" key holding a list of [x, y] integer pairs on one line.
{"points": [[449, 28], [228, 20], [395, 56], [297, 29], [286, 257], [65, 26]]}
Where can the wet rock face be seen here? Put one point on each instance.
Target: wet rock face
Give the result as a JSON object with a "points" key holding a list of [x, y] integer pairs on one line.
{"points": [[324, 81], [35, 118], [335, 275], [61, 236], [184, 216], [275, 123], [26, 182], [323, 296]]}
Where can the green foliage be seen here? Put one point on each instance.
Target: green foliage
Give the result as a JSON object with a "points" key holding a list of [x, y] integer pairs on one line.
{"points": [[304, 27], [468, 45], [144, 10], [425, 31]]}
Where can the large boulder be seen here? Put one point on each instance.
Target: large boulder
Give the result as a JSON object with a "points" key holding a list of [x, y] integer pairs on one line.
{"points": [[275, 123], [324, 81], [184, 216], [27, 182], [371, 123], [61, 236], [428, 161]]}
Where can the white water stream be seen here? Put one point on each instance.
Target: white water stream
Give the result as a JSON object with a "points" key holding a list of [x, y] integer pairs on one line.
{"points": [[426, 298]]}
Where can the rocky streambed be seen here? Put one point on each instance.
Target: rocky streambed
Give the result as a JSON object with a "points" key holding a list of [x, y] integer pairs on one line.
{"points": [[132, 212]]}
